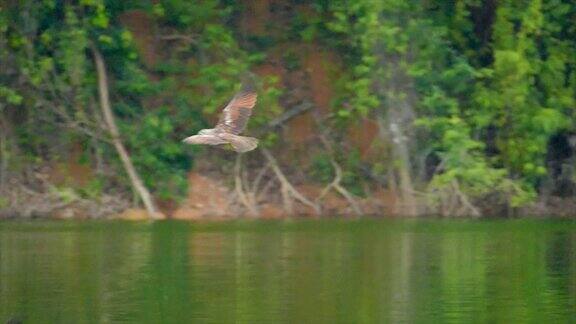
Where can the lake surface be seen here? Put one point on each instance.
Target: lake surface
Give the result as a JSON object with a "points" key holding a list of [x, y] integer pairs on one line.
{"points": [[521, 271]]}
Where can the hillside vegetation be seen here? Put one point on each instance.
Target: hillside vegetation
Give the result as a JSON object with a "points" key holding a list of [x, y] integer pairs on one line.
{"points": [[454, 108]]}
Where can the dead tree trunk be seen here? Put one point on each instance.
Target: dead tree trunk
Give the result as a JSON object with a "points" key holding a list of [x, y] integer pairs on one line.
{"points": [[394, 123], [3, 153], [137, 183]]}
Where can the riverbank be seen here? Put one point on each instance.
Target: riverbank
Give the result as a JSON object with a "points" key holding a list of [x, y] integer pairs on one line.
{"points": [[212, 198]]}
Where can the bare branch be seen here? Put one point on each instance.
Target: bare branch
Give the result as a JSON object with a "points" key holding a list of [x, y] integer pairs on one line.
{"points": [[185, 38], [297, 110]]}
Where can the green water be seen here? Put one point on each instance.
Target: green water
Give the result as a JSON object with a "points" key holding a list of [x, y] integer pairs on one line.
{"points": [[289, 272]]}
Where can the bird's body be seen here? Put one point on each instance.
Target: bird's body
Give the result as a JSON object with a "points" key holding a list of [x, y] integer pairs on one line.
{"points": [[232, 122]]}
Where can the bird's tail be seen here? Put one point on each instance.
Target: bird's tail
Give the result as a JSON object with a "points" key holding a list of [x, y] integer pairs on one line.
{"points": [[243, 144]]}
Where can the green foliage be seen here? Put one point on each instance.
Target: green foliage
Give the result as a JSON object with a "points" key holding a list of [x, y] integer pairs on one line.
{"points": [[462, 162], [93, 190], [457, 97], [66, 194], [322, 169], [4, 202], [515, 92], [10, 96], [59, 82], [157, 153]]}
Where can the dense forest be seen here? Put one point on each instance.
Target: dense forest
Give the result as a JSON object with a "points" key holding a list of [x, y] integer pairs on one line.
{"points": [[417, 107]]}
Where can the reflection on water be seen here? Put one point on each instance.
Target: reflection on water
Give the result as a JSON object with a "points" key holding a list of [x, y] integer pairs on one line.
{"points": [[298, 272]]}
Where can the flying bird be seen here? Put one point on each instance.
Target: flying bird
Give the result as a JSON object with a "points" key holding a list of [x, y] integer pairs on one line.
{"points": [[232, 122]]}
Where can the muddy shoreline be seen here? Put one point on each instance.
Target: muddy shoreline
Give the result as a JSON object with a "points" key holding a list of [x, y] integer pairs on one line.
{"points": [[211, 199]]}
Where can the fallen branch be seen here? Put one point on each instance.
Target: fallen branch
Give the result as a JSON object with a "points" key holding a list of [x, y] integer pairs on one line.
{"points": [[137, 183]]}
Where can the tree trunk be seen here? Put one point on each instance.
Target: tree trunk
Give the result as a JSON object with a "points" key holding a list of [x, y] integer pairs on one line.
{"points": [[137, 183], [394, 122], [3, 153]]}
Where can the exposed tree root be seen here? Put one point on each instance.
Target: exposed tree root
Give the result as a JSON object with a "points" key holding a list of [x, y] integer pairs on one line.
{"points": [[38, 198], [287, 189], [451, 201], [336, 183], [246, 197]]}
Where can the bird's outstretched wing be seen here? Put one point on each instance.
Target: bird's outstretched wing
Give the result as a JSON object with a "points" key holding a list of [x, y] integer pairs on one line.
{"points": [[235, 115], [204, 139]]}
